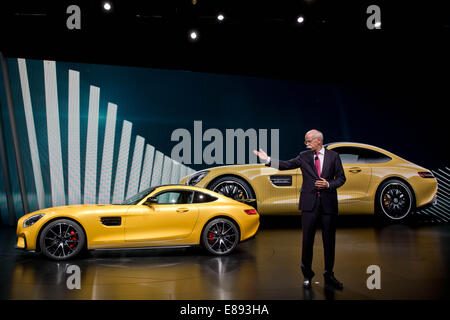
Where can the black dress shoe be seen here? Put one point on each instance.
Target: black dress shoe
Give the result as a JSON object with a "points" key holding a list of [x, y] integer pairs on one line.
{"points": [[330, 280], [307, 283]]}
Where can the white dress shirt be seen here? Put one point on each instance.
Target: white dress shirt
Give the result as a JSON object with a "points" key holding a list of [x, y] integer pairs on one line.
{"points": [[321, 155]]}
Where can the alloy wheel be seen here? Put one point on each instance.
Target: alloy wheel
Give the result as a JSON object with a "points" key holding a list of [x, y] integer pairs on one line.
{"points": [[232, 189], [62, 240], [221, 236], [396, 201]]}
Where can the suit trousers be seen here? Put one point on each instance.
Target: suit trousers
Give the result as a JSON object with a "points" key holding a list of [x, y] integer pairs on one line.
{"points": [[310, 221]]}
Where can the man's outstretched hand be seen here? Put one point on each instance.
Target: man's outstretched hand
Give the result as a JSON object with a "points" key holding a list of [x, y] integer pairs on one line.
{"points": [[261, 154]]}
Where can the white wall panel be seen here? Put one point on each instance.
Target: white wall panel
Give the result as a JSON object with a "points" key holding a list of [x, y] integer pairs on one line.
{"points": [[31, 130], [104, 192], [54, 134]]}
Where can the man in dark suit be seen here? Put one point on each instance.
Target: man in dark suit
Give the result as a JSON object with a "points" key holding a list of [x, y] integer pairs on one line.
{"points": [[322, 174]]}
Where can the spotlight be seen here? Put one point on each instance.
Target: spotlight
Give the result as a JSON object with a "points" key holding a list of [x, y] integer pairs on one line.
{"points": [[377, 25], [300, 19], [220, 17], [107, 6], [193, 35]]}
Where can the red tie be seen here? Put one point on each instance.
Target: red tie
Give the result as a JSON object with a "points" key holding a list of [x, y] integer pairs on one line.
{"points": [[317, 163]]}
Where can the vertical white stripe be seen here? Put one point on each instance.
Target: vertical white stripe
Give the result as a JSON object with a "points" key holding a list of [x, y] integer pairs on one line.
{"points": [[122, 163], [104, 193], [53, 134], [175, 176], [147, 167], [136, 164], [90, 170], [74, 177], [167, 168], [183, 171], [275, 144], [34, 152], [180, 172], [189, 171], [157, 168]]}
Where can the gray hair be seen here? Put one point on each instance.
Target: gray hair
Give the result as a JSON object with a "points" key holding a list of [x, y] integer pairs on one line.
{"points": [[319, 135], [316, 134]]}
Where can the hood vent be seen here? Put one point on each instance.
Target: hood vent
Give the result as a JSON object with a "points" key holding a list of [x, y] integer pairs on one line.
{"points": [[111, 221]]}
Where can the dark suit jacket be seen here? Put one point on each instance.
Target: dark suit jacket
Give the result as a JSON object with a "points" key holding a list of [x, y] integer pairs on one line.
{"points": [[332, 171]]}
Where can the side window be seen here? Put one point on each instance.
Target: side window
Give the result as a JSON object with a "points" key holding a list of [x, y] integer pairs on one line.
{"points": [[175, 197], [201, 197], [360, 155], [371, 156], [350, 154]]}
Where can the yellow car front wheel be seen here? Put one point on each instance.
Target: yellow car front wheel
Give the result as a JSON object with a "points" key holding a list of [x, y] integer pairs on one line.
{"points": [[232, 187], [62, 239]]}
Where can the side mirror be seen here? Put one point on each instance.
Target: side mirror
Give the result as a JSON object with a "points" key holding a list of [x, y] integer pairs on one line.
{"points": [[150, 201]]}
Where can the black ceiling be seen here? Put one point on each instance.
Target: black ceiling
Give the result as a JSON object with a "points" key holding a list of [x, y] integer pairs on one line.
{"points": [[259, 38]]}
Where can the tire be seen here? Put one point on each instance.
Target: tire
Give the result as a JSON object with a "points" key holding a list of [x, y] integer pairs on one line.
{"points": [[62, 239], [233, 187], [220, 236], [394, 201]]}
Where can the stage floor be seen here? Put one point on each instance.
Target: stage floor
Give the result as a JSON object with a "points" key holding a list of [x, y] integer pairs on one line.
{"points": [[414, 262]]}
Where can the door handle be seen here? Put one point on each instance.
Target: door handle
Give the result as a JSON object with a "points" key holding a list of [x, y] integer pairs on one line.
{"points": [[180, 210], [354, 170]]}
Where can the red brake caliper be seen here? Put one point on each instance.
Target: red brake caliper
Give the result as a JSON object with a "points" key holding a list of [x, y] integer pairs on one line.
{"points": [[211, 237], [73, 237]]}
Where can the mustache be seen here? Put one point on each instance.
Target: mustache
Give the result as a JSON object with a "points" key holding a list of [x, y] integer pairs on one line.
{"points": [[308, 147]]}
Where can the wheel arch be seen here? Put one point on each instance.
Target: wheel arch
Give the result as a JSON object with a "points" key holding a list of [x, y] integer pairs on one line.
{"points": [[235, 176], [402, 179], [38, 243], [224, 217]]}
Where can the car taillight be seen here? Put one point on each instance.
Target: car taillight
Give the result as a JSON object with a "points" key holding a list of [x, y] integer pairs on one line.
{"points": [[251, 211], [425, 174]]}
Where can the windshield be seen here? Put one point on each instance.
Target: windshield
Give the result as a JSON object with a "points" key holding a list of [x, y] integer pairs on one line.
{"points": [[138, 196]]}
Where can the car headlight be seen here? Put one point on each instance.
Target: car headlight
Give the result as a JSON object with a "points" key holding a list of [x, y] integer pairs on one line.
{"points": [[32, 220], [196, 177]]}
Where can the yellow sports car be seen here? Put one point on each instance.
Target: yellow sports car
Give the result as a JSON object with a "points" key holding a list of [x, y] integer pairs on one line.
{"points": [[161, 216], [377, 181]]}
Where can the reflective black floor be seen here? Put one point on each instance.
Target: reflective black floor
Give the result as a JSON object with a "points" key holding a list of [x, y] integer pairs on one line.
{"points": [[414, 262]]}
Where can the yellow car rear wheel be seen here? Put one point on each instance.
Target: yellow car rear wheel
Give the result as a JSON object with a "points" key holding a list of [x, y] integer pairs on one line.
{"points": [[394, 200], [220, 236]]}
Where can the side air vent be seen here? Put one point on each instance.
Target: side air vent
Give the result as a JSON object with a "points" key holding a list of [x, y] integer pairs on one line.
{"points": [[281, 181], [111, 221]]}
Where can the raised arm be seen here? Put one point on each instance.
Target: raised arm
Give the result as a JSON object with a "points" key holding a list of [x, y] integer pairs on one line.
{"points": [[279, 164]]}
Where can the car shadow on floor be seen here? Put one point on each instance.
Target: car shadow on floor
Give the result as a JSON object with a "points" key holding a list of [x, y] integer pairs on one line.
{"points": [[344, 221]]}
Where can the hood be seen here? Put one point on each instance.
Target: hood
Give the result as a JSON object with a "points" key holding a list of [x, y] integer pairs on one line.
{"points": [[243, 166], [80, 208]]}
